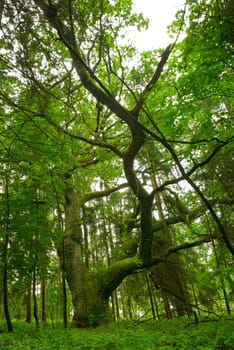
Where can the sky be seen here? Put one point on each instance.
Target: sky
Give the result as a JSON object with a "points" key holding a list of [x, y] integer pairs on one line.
{"points": [[160, 13]]}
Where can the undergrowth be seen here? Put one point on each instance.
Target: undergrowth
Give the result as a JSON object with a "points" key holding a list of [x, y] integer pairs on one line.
{"points": [[181, 334]]}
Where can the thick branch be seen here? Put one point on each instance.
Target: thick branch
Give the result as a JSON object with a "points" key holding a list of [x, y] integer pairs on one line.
{"points": [[89, 80], [113, 275], [99, 91]]}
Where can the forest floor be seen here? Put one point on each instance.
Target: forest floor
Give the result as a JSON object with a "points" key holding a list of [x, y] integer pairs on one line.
{"points": [[182, 334]]}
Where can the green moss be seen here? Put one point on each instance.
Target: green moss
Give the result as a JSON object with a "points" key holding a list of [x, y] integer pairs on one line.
{"points": [[116, 272]]}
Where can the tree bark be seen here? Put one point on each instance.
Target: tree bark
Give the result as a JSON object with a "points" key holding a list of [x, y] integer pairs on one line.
{"points": [[35, 307], [5, 286], [91, 290], [5, 259], [43, 300], [28, 298]]}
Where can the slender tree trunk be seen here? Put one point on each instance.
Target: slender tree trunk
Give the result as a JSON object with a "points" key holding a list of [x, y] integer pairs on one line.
{"points": [[221, 279], [228, 276], [150, 296], [195, 299], [122, 295], [226, 301], [155, 302], [5, 286], [35, 308], [29, 301], [117, 313], [64, 292], [65, 318], [129, 306], [5, 260], [43, 300], [64, 289], [113, 307], [2, 316]]}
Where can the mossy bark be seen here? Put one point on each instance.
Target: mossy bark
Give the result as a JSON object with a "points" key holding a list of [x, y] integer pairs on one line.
{"points": [[91, 307], [90, 291]]}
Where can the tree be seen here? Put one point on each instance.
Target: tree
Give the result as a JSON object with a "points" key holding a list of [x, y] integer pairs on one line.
{"points": [[67, 85]]}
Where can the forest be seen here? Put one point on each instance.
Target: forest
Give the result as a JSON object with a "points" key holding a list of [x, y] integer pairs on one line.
{"points": [[116, 177]]}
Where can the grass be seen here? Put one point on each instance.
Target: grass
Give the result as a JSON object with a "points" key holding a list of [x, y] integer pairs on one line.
{"points": [[181, 334]]}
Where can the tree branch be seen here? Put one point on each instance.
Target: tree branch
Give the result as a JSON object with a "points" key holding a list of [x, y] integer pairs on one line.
{"points": [[195, 167], [153, 80], [111, 277], [163, 257], [98, 194], [187, 177], [186, 245], [183, 217], [90, 80]]}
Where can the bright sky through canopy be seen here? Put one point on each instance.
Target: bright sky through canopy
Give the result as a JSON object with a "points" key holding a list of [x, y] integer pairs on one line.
{"points": [[160, 13]]}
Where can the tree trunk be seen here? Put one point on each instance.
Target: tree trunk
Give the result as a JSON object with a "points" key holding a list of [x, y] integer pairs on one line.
{"points": [[43, 300], [116, 301], [150, 296], [89, 306], [174, 289], [5, 286], [35, 308], [5, 261], [90, 291], [64, 301], [218, 264], [29, 301]]}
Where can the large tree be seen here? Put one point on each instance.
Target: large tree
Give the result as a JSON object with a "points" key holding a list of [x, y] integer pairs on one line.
{"points": [[103, 113]]}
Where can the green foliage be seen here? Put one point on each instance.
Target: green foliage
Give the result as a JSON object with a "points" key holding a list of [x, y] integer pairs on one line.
{"points": [[55, 133], [181, 334]]}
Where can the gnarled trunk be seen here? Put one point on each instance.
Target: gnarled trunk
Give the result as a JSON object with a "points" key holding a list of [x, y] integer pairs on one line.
{"points": [[90, 307], [90, 291]]}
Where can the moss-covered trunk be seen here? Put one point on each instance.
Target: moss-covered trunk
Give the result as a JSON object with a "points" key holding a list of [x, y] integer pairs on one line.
{"points": [[91, 308], [90, 291]]}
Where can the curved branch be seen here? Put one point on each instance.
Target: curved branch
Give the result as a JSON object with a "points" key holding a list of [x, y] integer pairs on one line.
{"points": [[163, 257], [186, 245], [90, 80], [99, 194], [182, 217], [111, 277]]}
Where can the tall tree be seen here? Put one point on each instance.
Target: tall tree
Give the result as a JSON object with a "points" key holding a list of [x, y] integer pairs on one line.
{"points": [[78, 109]]}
